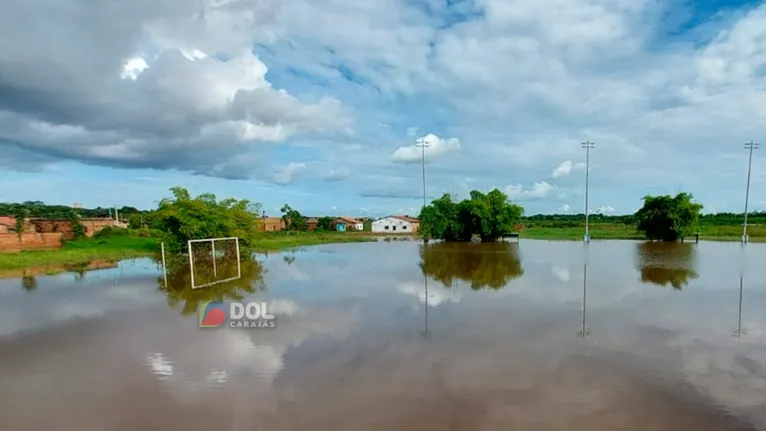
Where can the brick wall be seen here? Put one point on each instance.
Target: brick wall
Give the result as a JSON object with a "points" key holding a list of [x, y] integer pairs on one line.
{"points": [[10, 242], [92, 226], [271, 224]]}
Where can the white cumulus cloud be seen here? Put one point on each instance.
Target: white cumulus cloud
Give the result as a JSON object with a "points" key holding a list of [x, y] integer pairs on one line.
{"points": [[287, 174], [539, 190], [338, 174], [606, 209], [567, 167], [435, 147]]}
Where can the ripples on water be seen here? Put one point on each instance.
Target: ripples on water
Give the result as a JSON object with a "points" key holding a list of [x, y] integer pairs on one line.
{"points": [[396, 335]]}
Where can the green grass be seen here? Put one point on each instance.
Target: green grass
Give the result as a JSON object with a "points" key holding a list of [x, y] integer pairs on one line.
{"points": [[81, 251], [598, 231], [129, 246]]}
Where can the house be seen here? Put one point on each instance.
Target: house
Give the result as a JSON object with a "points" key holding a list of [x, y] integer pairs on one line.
{"points": [[312, 223], [396, 224], [343, 224], [272, 224]]}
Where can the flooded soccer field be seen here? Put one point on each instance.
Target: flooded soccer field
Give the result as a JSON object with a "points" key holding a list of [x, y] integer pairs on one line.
{"points": [[615, 335]]}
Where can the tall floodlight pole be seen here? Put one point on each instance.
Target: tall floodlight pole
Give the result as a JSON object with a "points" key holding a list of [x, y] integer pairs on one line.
{"points": [[587, 145], [422, 143], [749, 146]]}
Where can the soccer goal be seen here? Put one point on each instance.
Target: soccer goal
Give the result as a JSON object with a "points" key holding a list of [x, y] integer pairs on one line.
{"points": [[213, 261]]}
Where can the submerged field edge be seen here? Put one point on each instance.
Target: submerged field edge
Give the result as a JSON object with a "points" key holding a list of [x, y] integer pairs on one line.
{"points": [[56, 260]]}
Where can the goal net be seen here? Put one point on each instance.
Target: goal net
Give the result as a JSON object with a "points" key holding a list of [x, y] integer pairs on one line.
{"points": [[213, 261]]}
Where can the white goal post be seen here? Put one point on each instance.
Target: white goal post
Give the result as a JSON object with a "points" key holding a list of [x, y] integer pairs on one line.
{"points": [[212, 242]]}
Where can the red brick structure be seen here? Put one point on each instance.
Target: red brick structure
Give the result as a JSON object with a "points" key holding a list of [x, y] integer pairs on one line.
{"points": [[42, 234], [11, 242], [272, 224], [92, 226]]}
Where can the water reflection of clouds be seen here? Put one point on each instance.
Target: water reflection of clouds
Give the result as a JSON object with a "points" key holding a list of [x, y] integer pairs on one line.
{"points": [[437, 293], [560, 272], [51, 304], [241, 357], [343, 272]]}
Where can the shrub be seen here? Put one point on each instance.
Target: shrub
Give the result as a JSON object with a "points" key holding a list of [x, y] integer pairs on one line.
{"points": [[111, 232]]}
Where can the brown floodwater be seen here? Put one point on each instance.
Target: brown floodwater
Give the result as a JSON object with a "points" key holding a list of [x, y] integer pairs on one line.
{"points": [[539, 335]]}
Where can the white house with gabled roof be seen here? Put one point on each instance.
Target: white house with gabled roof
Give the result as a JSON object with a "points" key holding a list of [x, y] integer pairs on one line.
{"points": [[396, 224]]}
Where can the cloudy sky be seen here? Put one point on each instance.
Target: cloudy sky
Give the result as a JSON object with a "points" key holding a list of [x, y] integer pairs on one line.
{"points": [[319, 103]]}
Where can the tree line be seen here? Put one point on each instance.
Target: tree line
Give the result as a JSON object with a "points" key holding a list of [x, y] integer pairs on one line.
{"points": [[40, 209], [571, 220], [487, 217], [492, 216]]}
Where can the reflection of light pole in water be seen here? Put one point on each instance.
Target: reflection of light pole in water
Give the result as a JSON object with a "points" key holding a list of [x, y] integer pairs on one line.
{"points": [[749, 146], [587, 145], [583, 330], [739, 330], [425, 285]]}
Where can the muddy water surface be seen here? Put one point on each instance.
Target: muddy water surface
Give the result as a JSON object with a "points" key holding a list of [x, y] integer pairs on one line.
{"points": [[380, 336]]}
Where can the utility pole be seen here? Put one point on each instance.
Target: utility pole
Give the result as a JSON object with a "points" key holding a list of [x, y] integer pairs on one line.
{"points": [[749, 146], [587, 145], [423, 144]]}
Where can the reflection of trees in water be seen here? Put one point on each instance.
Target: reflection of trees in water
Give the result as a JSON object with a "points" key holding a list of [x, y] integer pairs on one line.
{"points": [[666, 264], [28, 282], [179, 290], [483, 265]]}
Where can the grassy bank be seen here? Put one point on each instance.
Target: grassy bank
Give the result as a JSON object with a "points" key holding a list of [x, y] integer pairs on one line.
{"points": [[78, 252], [115, 248], [598, 231]]}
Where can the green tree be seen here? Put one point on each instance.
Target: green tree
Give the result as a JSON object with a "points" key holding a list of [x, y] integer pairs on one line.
{"points": [[490, 216], [136, 220], [324, 223], [667, 218], [367, 225], [293, 219], [183, 218], [492, 265], [20, 213], [78, 230]]}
